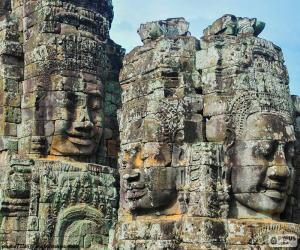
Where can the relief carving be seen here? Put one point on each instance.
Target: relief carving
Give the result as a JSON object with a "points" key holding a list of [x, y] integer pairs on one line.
{"points": [[59, 136], [232, 139], [259, 145], [204, 150]]}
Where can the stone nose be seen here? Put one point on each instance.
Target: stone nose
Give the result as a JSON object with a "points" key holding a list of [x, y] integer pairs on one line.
{"points": [[84, 115], [280, 157], [132, 176], [278, 172], [84, 125]]}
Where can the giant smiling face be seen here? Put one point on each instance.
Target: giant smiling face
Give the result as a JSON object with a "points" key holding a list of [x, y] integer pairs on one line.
{"points": [[262, 171]]}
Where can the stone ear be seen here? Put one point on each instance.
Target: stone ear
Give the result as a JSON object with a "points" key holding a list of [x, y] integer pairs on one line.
{"points": [[230, 139]]}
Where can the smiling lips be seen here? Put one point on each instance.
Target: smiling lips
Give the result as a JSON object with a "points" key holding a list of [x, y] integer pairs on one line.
{"points": [[135, 190], [135, 194], [276, 190], [276, 194], [83, 139]]}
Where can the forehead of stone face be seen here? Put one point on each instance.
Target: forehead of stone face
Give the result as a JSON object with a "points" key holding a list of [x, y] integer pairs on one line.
{"points": [[145, 120], [268, 126], [85, 83], [103, 7], [152, 154]]}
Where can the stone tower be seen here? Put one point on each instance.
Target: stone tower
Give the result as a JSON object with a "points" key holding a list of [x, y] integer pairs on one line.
{"points": [[59, 96], [209, 140]]}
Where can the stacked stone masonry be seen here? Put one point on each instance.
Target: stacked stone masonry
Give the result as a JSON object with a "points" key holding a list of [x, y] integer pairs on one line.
{"points": [[220, 170], [184, 143], [59, 133]]}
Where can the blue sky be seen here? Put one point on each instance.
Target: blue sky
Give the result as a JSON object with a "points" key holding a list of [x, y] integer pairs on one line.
{"points": [[282, 20]]}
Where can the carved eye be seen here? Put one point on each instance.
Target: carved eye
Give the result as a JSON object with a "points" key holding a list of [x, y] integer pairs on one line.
{"points": [[94, 102], [289, 150], [71, 99], [97, 118], [265, 148]]}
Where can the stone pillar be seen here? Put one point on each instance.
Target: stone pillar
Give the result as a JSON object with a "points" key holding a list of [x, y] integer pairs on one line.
{"points": [[229, 182], [59, 135], [296, 199], [13, 208], [159, 119], [11, 67], [67, 60]]}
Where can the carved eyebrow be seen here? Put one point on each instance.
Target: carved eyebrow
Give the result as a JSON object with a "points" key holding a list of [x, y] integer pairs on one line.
{"points": [[94, 93]]}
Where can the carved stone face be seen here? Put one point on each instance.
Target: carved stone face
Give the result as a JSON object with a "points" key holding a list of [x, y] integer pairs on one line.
{"points": [[148, 180], [80, 133], [262, 171]]}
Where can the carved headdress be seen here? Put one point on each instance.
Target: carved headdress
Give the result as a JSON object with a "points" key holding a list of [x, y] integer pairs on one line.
{"points": [[247, 103]]}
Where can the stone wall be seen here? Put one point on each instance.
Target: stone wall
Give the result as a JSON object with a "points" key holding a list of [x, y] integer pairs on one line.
{"points": [[11, 77], [184, 143], [296, 192], [59, 99], [225, 178]]}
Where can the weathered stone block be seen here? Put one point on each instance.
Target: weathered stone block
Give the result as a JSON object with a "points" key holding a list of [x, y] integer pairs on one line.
{"points": [[197, 104], [151, 130], [204, 203], [200, 230], [169, 28], [297, 125], [296, 102], [215, 104], [208, 58], [13, 72], [216, 128], [7, 84], [11, 48], [194, 129], [11, 114], [10, 99], [8, 129], [149, 230], [8, 143]]}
